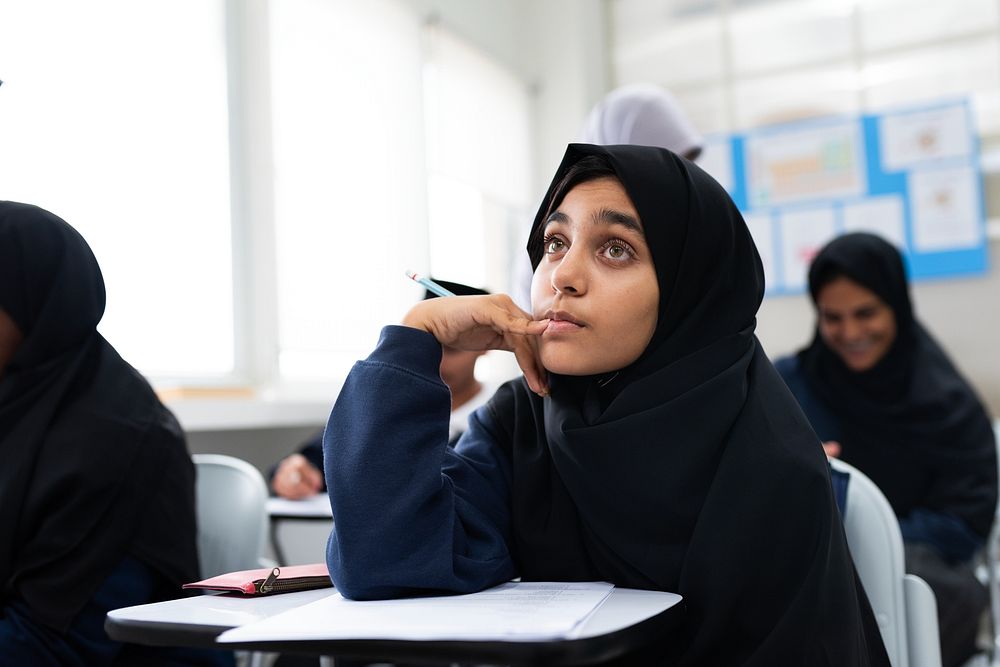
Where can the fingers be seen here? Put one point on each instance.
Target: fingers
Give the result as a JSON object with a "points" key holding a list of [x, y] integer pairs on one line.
{"points": [[526, 353], [296, 478], [479, 323], [312, 478]]}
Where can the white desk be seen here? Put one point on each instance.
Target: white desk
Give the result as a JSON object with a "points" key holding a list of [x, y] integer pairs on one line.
{"points": [[627, 620], [314, 507], [299, 528]]}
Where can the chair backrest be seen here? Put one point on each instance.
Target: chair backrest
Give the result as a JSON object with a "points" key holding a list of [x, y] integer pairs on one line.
{"points": [[231, 498], [992, 558], [904, 605]]}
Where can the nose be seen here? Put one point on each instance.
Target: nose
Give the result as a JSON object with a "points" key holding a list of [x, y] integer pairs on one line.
{"points": [[851, 330], [569, 276]]}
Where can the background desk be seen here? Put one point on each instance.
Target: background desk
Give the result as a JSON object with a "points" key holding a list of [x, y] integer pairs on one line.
{"points": [[628, 619], [298, 529]]}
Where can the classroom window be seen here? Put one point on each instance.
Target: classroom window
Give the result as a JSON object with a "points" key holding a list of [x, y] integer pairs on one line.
{"points": [[255, 178], [113, 115], [350, 199], [478, 144]]}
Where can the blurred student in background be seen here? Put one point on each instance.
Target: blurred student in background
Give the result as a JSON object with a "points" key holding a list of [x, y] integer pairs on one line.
{"points": [[300, 475], [642, 114], [884, 397], [97, 504]]}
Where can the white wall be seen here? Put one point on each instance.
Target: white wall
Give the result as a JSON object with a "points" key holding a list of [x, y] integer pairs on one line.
{"points": [[557, 46]]}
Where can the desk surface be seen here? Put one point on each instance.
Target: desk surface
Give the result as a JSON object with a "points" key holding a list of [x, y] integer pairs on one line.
{"points": [[628, 619], [314, 507]]}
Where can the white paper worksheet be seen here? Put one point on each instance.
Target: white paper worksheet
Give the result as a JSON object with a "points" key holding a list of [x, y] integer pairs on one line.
{"points": [[510, 612]]}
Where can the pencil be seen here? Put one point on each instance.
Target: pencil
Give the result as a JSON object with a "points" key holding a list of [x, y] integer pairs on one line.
{"points": [[429, 284]]}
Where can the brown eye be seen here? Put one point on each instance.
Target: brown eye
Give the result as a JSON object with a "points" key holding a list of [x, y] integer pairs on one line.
{"points": [[553, 246], [617, 250]]}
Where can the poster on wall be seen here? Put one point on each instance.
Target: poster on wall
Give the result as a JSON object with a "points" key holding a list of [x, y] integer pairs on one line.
{"points": [[909, 175]]}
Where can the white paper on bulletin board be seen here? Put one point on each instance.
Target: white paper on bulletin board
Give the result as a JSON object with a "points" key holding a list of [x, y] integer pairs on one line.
{"points": [[878, 215], [919, 137], [803, 233], [805, 164], [944, 203]]}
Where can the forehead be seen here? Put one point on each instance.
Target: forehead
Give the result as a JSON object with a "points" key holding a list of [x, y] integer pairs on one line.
{"points": [[842, 293], [600, 202], [605, 191]]}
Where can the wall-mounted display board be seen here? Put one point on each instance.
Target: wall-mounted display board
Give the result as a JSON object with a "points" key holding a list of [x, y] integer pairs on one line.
{"points": [[910, 175]]}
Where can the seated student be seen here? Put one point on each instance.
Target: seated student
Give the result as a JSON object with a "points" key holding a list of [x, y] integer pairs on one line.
{"points": [[650, 442], [96, 486], [300, 475], [643, 114], [886, 399]]}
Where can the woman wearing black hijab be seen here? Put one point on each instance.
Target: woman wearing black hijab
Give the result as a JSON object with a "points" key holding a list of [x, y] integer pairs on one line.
{"points": [[650, 442], [96, 484], [886, 399]]}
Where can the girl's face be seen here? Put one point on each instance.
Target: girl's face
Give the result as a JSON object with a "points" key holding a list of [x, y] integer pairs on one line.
{"points": [[596, 282], [855, 323]]}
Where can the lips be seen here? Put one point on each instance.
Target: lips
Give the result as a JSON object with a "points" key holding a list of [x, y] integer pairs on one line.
{"points": [[562, 322]]}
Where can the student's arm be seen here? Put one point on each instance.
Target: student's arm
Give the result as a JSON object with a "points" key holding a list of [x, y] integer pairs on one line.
{"points": [[951, 536], [412, 515], [959, 505]]}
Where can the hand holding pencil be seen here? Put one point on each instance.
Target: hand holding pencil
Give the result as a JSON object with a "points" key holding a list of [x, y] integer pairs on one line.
{"points": [[490, 322]]}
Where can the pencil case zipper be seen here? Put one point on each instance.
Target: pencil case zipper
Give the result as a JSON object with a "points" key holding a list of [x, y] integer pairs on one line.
{"points": [[275, 585]]}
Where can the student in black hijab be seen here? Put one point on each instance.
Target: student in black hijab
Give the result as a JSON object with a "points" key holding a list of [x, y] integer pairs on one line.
{"points": [[96, 484], [650, 442], [885, 398]]}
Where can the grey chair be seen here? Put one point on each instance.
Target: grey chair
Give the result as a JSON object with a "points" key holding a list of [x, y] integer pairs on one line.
{"points": [[231, 500], [904, 604], [991, 565]]}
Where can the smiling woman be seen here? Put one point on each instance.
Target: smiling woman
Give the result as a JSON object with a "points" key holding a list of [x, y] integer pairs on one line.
{"points": [[650, 443], [886, 399], [854, 322]]}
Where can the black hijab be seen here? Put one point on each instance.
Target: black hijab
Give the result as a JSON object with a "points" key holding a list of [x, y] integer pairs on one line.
{"points": [[911, 422], [94, 467], [695, 471]]}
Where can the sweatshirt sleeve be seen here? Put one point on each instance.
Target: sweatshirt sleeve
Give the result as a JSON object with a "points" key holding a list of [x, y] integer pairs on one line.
{"points": [[412, 515]]}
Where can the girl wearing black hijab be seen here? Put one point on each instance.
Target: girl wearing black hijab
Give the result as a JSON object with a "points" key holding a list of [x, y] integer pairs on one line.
{"points": [[885, 398], [649, 444], [96, 484]]}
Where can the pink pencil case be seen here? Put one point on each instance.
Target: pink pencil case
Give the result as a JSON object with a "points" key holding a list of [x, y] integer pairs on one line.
{"points": [[268, 581]]}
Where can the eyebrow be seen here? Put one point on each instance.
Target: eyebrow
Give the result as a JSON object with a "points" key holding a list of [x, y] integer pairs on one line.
{"points": [[607, 216]]}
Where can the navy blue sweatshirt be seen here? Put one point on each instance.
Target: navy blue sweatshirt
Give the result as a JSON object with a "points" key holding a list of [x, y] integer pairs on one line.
{"points": [[410, 513]]}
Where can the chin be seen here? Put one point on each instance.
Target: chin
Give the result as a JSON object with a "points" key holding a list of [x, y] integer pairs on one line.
{"points": [[565, 362]]}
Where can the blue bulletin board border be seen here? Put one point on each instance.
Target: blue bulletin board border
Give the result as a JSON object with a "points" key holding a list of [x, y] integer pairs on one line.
{"points": [[922, 265]]}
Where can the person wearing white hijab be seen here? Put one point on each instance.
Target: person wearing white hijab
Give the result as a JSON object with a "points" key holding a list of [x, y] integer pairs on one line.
{"points": [[641, 114]]}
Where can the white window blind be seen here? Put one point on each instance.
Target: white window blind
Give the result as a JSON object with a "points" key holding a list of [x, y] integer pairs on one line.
{"points": [[350, 181], [478, 157], [113, 115]]}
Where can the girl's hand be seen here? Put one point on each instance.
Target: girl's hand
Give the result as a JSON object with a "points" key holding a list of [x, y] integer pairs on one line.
{"points": [[491, 322], [296, 478]]}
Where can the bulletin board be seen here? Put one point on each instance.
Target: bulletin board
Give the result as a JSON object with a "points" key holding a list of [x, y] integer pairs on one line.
{"points": [[911, 176]]}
